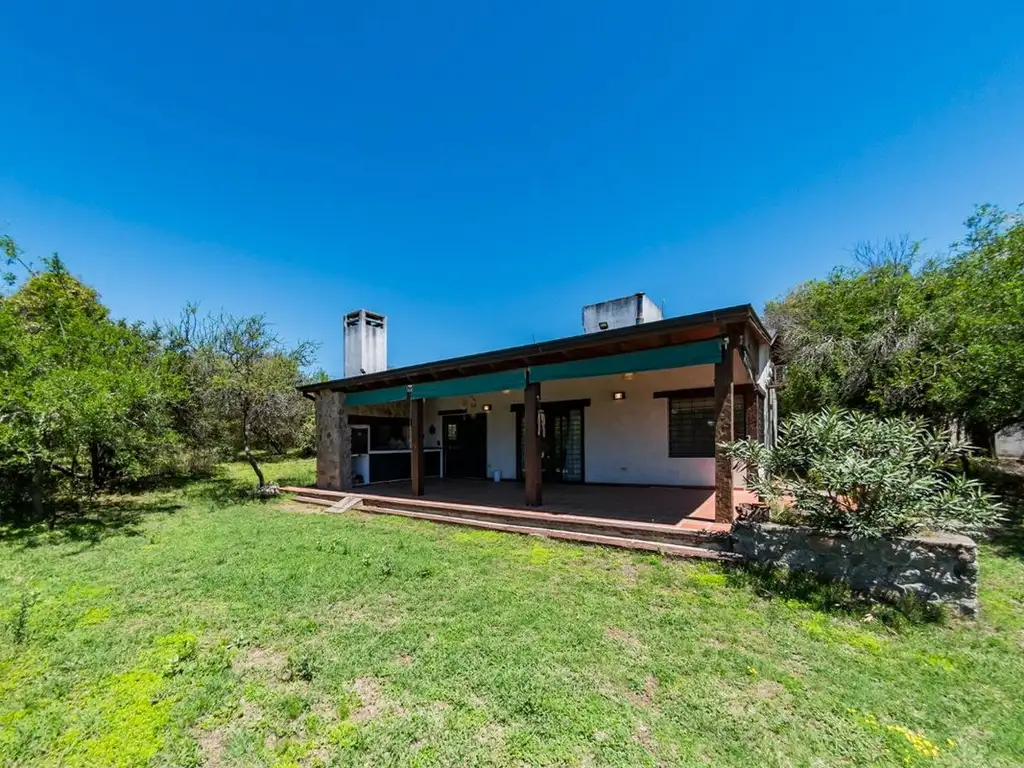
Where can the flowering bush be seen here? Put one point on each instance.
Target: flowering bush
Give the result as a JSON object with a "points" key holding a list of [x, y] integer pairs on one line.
{"points": [[848, 471]]}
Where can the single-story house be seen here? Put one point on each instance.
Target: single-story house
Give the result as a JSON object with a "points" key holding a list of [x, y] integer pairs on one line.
{"points": [[635, 400]]}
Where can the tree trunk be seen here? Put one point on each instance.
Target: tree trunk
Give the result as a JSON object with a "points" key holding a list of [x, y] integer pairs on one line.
{"points": [[37, 491], [248, 454]]}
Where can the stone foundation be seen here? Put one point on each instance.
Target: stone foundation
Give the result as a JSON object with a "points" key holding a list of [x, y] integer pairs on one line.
{"points": [[940, 568]]}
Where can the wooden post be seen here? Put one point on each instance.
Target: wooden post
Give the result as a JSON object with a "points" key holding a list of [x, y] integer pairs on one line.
{"points": [[416, 456], [725, 509], [531, 444]]}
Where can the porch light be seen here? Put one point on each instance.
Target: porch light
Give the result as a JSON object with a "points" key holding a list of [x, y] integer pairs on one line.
{"points": [[487, 406], [618, 395]]}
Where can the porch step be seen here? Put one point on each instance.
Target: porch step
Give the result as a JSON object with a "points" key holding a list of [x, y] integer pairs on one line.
{"points": [[636, 535], [676, 550]]}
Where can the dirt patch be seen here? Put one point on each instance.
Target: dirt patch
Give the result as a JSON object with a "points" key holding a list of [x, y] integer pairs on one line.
{"points": [[767, 689], [629, 573], [372, 701], [381, 614], [403, 659], [211, 747], [623, 637], [260, 660], [299, 507], [491, 735], [645, 697], [212, 744], [645, 737]]}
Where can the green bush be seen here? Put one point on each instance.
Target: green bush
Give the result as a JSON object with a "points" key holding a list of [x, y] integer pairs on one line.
{"points": [[847, 471]]}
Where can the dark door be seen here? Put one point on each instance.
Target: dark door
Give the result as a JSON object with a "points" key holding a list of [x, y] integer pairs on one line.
{"points": [[561, 443], [465, 444]]}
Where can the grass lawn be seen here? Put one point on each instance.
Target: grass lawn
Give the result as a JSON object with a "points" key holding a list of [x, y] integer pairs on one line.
{"points": [[190, 627]]}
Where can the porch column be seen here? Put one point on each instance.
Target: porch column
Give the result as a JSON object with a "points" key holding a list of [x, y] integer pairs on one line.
{"points": [[724, 506], [416, 456], [531, 444], [333, 442]]}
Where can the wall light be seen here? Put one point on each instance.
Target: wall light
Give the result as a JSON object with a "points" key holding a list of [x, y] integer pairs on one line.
{"points": [[506, 391], [603, 325], [487, 406], [618, 395], [628, 376]]}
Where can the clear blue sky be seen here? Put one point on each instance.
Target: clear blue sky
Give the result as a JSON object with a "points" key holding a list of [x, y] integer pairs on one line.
{"points": [[478, 171]]}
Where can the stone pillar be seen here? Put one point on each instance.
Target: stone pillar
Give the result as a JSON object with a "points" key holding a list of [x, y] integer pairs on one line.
{"points": [[724, 506], [416, 453], [531, 445], [333, 442]]}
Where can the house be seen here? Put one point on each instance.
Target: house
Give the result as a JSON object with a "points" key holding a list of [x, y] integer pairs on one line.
{"points": [[635, 400]]}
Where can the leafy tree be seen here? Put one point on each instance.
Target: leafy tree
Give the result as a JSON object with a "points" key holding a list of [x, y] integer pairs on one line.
{"points": [[975, 359], [241, 382], [82, 397], [941, 339], [846, 339]]}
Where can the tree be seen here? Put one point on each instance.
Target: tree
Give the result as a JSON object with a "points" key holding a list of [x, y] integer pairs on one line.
{"points": [[848, 339], [941, 339], [76, 389], [976, 315], [242, 381]]}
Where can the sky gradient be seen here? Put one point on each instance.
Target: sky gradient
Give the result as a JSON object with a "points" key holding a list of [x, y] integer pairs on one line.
{"points": [[479, 171]]}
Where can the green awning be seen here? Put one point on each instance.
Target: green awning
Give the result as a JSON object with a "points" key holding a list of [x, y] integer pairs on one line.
{"points": [[472, 385], [679, 356], [468, 385]]}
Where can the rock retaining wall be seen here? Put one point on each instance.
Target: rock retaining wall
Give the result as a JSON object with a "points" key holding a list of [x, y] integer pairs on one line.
{"points": [[937, 568]]}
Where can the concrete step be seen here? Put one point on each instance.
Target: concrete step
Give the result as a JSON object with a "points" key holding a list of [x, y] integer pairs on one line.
{"points": [[652, 537], [668, 534], [675, 550]]}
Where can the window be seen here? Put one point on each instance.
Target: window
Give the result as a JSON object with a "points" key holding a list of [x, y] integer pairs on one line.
{"points": [[389, 435], [691, 425]]}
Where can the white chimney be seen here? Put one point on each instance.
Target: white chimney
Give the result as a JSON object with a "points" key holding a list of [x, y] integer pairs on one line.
{"points": [[366, 343], [620, 313]]}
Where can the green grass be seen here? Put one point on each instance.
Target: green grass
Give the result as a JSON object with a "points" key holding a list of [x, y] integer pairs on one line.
{"points": [[192, 627]]}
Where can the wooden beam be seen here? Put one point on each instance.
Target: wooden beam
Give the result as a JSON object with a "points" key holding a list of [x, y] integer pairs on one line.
{"points": [[416, 457], [531, 445], [725, 509]]}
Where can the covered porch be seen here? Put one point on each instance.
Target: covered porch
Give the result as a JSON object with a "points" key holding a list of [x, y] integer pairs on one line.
{"points": [[688, 508], [596, 425]]}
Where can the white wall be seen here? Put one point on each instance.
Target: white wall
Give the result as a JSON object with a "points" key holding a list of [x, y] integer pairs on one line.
{"points": [[625, 441]]}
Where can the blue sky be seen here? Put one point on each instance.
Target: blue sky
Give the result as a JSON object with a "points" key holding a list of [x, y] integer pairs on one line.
{"points": [[479, 171]]}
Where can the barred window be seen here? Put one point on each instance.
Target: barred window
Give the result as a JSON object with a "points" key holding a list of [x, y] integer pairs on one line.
{"points": [[691, 425]]}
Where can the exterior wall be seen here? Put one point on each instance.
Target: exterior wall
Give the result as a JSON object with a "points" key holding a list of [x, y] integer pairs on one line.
{"points": [[624, 441], [366, 343], [620, 313], [1010, 443], [937, 568]]}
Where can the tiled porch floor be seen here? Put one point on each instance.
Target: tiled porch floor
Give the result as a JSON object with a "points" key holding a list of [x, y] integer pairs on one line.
{"points": [[672, 506]]}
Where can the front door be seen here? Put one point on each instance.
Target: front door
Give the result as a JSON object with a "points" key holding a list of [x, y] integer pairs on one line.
{"points": [[561, 443], [465, 444]]}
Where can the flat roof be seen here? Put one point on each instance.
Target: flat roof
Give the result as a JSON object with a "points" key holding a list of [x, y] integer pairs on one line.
{"points": [[673, 330]]}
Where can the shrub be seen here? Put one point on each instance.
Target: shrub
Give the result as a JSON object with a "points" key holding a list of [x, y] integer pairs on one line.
{"points": [[848, 471]]}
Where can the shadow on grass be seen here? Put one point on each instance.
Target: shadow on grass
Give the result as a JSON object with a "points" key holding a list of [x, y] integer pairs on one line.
{"points": [[90, 524], [834, 597]]}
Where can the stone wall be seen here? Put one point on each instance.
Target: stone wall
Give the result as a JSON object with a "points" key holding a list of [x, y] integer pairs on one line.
{"points": [[333, 442], [940, 568]]}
